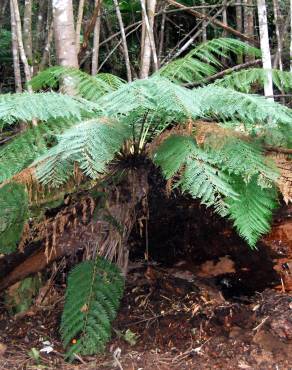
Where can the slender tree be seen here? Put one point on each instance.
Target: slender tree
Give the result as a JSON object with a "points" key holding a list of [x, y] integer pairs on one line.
{"points": [[278, 21], [248, 23], [15, 52], [65, 37], [79, 23], [265, 46], [96, 38], [27, 32]]}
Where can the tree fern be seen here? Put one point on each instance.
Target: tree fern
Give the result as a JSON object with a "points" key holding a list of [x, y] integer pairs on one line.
{"points": [[88, 87], [92, 300], [13, 215], [204, 60], [253, 78], [252, 211]]}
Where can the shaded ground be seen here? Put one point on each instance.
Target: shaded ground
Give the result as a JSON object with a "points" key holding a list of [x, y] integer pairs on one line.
{"points": [[205, 301], [179, 322]]}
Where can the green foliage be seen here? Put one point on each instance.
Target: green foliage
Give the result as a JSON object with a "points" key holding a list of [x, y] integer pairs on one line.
{"points": [[204, 60], [233, 178], [250, 112], [88, 87], [42, 106], [29, 145], [13, 215], [5, 46], [92, 144], [92, 300], [251, 79], [252, 211]]}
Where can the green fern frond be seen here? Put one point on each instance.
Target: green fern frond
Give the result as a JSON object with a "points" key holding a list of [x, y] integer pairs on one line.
{"points": [[253, 111], [252, 211], [241, 157], [93, 295], [154, 94], [88, 87], [248, 79], [92, 144], [42, 106], [204, 60], [13, 215], [196, 174], [29, 145]]}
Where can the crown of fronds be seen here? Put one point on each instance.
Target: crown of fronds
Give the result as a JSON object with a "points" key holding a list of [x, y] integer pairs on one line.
{"points": [[204, 60], [13, 215], [92, 299]]}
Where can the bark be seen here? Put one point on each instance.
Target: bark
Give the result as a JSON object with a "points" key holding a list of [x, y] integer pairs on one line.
{"points": [[239, 27], [124, 40], [96, 38], [64, 33], [291, 35], [224, 17], [248, 23], [41, 25], [148, 48], [46, 53], [204, 25], [214, 21], [161, 38], [265, 46], [18, 29], [15, 53], [278, 21], [79, 24], [81, 225], [27, 33]]}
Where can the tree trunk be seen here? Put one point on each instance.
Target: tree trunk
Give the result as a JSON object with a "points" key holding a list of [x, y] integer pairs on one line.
{"points": [[15, 53], [64, 33], [85, 223], [265, 47], [239, 27], [20, 42], [27, 33], [291, 35], [249, 23], [124, 40], [96, 38], [149, 43], [46, 52], [278, 21], [204, 24], [79, 24]]}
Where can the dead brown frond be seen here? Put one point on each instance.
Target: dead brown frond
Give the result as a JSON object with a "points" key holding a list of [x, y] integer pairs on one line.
{"points": [[284, 164]]}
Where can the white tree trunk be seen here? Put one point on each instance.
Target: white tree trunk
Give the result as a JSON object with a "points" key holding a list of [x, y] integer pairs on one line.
{"points": [[65, 36], [278, 21], [124, 41], [96, 38], [148, 47], [265, 46], [15, 53], [27, 35]]}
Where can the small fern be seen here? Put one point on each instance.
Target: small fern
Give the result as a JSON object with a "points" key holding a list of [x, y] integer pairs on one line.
{"points": [[13, 215], [93, 295]]}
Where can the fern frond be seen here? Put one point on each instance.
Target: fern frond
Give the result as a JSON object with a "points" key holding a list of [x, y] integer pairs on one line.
{"points": [[89, 87], [248, 79], [252, 211], [253, 111], [92, 299], [29, 145], [92, 144], [204, 60], [42, 106], [196, 174], [13, 215], [156, 94]]}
